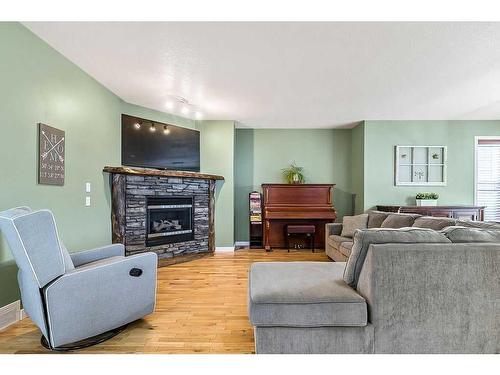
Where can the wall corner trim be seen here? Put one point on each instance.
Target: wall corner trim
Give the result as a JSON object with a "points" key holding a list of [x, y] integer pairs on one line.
{"points": [[224, 249], [242, 243]]}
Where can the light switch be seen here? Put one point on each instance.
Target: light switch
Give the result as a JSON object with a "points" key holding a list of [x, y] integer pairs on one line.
{"points": [[87, 201], [87, 187]]}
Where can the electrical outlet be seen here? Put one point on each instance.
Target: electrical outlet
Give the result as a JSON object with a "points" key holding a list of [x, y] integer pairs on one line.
{"points": [[87, 187], [87, 201]]}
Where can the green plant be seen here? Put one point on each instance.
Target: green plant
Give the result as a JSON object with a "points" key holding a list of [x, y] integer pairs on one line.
{"points": [[293, 174], [427, 196]]}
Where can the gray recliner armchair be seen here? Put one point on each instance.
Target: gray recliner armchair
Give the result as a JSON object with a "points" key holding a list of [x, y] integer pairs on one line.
{"points": [[79, 296]]}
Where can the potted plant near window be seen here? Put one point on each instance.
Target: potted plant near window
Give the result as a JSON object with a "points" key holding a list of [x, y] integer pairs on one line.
{"points": [[294, 174], [427, 199]]}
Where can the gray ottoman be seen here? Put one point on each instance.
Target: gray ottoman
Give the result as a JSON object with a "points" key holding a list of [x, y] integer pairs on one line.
{"points": [[306, 307]]}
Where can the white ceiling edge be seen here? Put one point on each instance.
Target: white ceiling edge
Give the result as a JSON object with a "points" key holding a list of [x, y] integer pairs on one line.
{"points": [[351, 125], [293, 75]]}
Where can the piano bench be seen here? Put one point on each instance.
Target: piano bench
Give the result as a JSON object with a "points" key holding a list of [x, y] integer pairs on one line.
{"points": [[300, 230]]}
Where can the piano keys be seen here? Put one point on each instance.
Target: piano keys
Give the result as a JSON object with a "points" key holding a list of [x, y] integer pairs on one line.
{"points": [[303, 204]]}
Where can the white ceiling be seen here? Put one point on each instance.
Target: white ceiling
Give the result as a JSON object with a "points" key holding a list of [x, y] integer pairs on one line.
{"points": [[293, 74]]}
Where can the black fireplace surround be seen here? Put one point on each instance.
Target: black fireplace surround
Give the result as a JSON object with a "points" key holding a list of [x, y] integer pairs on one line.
{"points": [[169, 220]]}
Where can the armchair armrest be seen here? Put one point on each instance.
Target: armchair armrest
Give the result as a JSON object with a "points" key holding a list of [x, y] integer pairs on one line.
{"points": [[333, 228], [87, 301], [87, 256]]}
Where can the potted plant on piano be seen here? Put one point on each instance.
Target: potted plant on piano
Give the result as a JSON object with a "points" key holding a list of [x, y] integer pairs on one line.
{"points": [[294, 174], [427, 199]]}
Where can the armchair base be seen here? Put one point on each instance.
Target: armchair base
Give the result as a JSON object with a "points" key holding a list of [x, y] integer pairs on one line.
{"points": [[85, 343]]}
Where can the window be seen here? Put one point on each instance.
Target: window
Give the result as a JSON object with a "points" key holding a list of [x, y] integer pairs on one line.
{"points": [[488, 176], [420, 165]]}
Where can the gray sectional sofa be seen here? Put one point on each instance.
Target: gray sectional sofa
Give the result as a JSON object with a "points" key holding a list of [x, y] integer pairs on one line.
{"points": [[406, 290]]}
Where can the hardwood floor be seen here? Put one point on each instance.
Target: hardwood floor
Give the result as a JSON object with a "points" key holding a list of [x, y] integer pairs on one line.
{"points": [[201, 308]]}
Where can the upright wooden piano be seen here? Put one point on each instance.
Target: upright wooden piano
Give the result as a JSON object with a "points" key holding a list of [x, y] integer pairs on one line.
{"points": [[296, 204]]}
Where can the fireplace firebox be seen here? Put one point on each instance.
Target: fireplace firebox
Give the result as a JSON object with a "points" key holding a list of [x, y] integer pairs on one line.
{"points": [[169, 220]]}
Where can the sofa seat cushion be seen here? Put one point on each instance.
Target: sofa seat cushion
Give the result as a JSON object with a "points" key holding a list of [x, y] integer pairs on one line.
{"points": [[335, 241], [303, 294], [345, 248], [100, 262], [436, 223], [399, 220]]}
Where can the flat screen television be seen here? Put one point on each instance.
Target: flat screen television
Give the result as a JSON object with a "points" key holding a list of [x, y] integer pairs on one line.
{"points": [[151, 144]]}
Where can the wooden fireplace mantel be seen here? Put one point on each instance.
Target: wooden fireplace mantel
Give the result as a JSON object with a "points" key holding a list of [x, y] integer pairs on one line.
{"points": [[161, 173]]}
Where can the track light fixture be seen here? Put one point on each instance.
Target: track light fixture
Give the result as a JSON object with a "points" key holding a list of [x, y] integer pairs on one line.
{"points": [[166, 130], [152, 128], [137, 125], [176, 102]]}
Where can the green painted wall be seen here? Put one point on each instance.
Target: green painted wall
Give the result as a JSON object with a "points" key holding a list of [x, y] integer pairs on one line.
{"points": [[40, 85], [45, 87], [261, 153], [382, 136], [357, 164], [217, 156]]}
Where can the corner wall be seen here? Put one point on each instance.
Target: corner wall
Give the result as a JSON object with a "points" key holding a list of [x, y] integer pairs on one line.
{"points": [[217, 156], [260, 154], [459, 136], [358, 167]]}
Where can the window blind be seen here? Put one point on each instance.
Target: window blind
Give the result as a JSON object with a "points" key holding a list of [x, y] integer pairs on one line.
{"points": [[488, 178]]}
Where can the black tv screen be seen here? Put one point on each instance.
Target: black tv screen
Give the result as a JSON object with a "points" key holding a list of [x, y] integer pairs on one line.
{"points": [[152, 144]]}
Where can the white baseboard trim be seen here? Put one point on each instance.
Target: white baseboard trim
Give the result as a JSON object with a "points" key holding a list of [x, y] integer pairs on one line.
{"points": [[10, 314], [224, 249], [242, 243]]}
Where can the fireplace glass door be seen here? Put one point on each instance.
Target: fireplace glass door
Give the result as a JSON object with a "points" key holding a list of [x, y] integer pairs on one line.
{"points": [[170, 220]]}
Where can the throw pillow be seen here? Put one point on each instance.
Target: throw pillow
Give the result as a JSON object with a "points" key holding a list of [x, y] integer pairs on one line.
{"points": [[364, 238], [399, 220], [463, 234], [376, 218], [436, 223], [351, 223]]}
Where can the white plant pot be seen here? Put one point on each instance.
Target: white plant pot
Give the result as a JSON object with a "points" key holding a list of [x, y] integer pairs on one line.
{"points": [[427, 202]]}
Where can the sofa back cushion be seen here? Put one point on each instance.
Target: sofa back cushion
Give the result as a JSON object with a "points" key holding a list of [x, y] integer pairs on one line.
{"points": [[376, 218], [364, 238], [479, 224], [351, 223], [436, 223], [399, 220], [462, 234]]}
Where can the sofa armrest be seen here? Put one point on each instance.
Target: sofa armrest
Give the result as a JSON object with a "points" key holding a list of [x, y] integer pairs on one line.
{"points": [[88, 301], [87, 256], [333, 228]]}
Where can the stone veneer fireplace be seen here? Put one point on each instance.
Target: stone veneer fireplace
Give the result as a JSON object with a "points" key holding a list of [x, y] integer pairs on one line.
{"points": [[168, 212]]}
